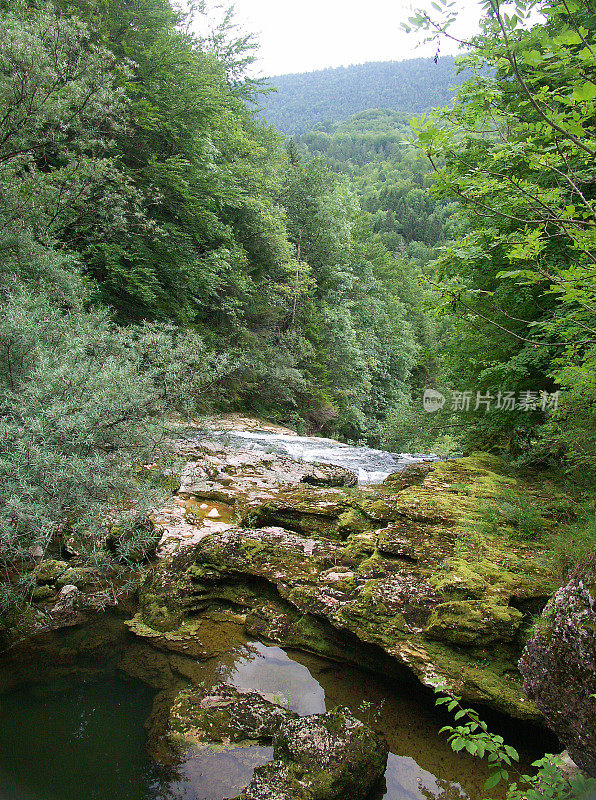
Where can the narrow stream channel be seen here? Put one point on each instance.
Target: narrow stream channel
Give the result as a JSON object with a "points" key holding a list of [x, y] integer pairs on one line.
{"points": [[370, 465]]}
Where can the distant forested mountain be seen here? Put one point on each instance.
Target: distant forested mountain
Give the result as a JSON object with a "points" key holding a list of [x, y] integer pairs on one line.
{"points": [[412, 86]]}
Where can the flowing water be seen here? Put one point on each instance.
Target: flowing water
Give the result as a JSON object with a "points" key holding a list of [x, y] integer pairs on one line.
{"points": [[370, 465]]}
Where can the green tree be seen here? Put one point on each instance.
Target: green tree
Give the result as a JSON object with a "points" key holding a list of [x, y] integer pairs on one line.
{"points": [[517, 149]]}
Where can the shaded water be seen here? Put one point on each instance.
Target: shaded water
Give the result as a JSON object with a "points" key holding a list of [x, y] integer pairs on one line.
{"points": [[87, 740], [370, 465], [84, 740]]}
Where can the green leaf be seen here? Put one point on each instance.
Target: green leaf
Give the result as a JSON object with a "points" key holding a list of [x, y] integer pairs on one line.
{"points": [[494, 779], [533, 58], [584, 93], [568, 37], [512, 752]]}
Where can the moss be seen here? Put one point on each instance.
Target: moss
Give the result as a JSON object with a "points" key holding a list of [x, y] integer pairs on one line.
{"points": [[80, 577], [42, 593], [16, 624], [353, 521], [359, 547], [161, 618], [473, 622], [50, 570]]}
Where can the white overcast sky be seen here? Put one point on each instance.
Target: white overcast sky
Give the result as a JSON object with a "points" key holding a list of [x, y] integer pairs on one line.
{"points": [[305, 35]]}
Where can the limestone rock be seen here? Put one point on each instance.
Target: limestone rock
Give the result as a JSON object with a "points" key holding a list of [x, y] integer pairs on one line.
{"points": [[407, 577], [324, 757], [559, 666], [201, 718], [473, 622], [67, 599], [228, 477]]}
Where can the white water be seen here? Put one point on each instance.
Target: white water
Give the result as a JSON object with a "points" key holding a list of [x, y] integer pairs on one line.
{"points": [[370, 465]]}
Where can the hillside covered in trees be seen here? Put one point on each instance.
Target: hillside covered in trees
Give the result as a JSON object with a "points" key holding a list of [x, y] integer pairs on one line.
{"points": [[369, 270], [164, 251], [303, 100]]}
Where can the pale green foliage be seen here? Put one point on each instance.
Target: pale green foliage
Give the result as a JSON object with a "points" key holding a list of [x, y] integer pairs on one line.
{"points": [[473, 736], [81, 404], [59, 105], [517, 151]]}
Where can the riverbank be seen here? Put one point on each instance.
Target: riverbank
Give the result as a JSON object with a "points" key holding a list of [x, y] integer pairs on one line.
{"points": [[426, 578]]}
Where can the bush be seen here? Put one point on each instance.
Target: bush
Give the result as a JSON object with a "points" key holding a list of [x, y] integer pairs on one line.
{"points": [[473, 736], [81, 402]]}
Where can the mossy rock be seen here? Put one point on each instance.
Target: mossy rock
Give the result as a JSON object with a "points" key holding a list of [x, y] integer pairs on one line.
{"points": [[392, 541], [43, 592], [329, 756], [225, 714], [199, 638], [81, 577], [297, 517], [17, 624], [50, 570], [353, 521], [473, 623], [360, 546], [161, 618], [430, 588], [220, 717], [411, 475]]}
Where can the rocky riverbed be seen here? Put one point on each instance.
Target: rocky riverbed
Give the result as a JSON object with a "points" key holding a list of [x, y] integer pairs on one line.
{"points": [[399, 577], [424, 577]]}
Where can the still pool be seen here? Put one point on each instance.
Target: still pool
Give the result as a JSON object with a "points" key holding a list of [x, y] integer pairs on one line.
{"points": [[85, 739]]}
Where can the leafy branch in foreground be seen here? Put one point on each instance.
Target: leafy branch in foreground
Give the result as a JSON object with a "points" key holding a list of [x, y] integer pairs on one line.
{"points": [[518, 286], [472, 735]]}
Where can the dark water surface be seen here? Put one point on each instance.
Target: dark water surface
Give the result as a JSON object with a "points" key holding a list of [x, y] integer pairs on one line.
{"points": [[86, 740]]}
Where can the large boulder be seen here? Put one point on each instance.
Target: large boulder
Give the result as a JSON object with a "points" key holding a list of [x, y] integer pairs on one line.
{"points": [[329, 756], [199, 718], [559, 666], [410, 579]]}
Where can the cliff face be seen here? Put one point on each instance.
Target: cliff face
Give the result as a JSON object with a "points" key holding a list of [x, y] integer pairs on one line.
{"points": [[559, 665]]}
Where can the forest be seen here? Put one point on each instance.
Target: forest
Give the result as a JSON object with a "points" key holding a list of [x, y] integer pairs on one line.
{"points": [[177, 239], [300, 102], [156, 234]]}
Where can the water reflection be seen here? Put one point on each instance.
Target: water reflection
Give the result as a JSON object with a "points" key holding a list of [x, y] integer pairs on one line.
{"points": [[208, 775], [88, 740], [272, 672], [310, 685]]}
